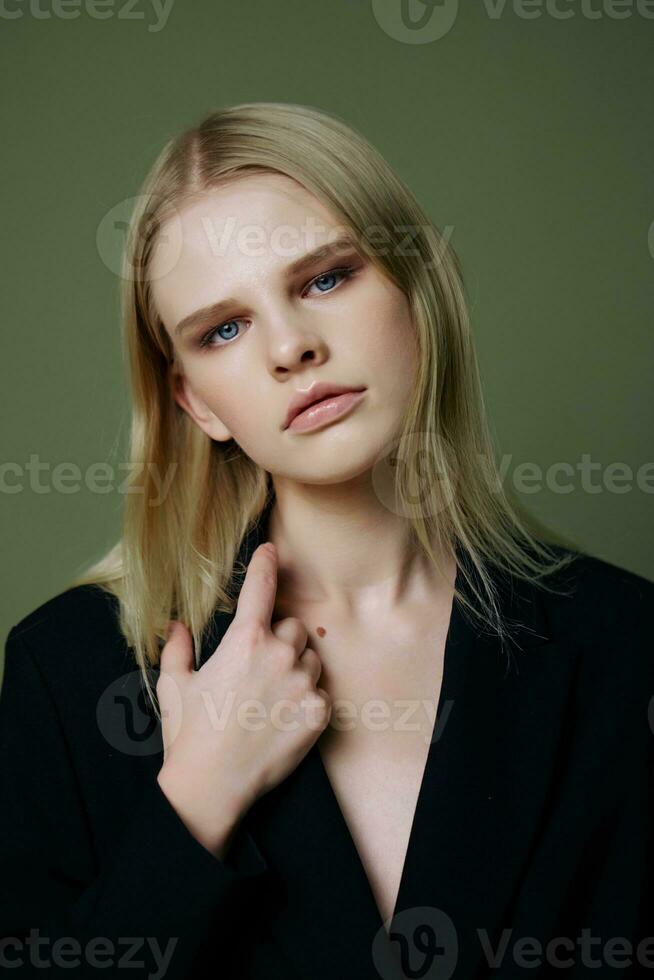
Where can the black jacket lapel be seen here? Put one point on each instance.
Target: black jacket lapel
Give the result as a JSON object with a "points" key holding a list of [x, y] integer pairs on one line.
{"points": [[486, 787], [486, 782], [321, 909]]}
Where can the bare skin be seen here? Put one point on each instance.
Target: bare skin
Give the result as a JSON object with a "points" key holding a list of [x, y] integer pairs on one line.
{"points": [[383, 677]]}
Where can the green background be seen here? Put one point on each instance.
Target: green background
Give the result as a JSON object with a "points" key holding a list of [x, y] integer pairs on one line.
{"points": [[530, 139]]}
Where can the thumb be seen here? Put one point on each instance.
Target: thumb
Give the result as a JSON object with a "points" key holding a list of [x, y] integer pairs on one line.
{"points": [[177, 654]]}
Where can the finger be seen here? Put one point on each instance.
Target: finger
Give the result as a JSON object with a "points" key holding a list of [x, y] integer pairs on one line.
{"points": [[310, 662], [324, 696], [291, 630], [177, 654], [256, 600]]}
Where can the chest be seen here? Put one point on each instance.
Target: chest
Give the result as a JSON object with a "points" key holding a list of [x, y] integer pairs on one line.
{"points": [[385, 686]]}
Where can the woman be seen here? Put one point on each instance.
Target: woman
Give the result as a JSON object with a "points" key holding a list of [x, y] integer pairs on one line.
{"points": [[409, 737]]}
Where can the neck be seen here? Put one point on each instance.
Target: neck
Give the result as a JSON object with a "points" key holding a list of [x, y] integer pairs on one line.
{"points": [[340, 547]]}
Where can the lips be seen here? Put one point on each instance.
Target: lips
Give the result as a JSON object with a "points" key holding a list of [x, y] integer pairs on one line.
{"points": [[327, 410], [315, 394]]}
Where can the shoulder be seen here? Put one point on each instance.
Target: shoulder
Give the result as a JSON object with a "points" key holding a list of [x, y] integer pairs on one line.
{"points": [[76, 729], [72, 638], [85, 604], [593, 595], [602, 615]]}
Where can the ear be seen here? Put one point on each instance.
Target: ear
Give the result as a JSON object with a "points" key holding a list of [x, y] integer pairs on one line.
{"points": [[196, 408]]}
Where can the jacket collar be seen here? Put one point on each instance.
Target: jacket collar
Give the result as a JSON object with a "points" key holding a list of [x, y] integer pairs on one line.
{"points": [[485, 785]]}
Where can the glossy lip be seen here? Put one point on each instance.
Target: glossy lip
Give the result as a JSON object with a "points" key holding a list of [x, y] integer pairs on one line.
{"points": [[325, 411], [318, 391]]}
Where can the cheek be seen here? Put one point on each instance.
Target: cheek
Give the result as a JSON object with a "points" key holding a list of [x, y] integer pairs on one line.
{"points": [[226, 397], [390, 343]]}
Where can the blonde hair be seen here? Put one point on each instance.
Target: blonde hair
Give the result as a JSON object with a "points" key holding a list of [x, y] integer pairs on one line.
{"points": [[175, 559]]}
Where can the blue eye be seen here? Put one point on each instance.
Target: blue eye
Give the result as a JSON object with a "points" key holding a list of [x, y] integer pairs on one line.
{"points": [[345, 273], [206, 341], [326, 275], [224, 327]]}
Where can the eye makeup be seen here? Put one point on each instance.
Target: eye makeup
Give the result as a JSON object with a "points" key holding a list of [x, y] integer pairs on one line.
{"points": [[205, 341]]}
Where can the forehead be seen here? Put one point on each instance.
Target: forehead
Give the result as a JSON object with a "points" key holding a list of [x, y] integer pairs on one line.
{"points": [[245, 229], [250, 216]]}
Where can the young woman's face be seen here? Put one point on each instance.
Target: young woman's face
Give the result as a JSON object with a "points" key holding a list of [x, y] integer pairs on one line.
{"points": [[279, 330]]}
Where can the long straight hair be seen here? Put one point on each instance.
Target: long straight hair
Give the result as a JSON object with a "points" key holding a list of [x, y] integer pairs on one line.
{"points": [[176, 556]]}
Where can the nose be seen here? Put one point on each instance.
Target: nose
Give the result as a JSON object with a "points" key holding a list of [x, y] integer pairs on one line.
{"points": [[292, 346]]}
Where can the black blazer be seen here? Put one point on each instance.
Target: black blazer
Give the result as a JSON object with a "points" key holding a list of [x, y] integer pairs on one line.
{"points": [[535, 819]]}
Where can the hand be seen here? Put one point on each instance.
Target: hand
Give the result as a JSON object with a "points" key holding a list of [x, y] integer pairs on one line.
{"points": [[221, 753]]}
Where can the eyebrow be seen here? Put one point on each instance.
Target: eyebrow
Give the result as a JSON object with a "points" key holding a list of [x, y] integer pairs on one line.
{"points": [[216, 310]]}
